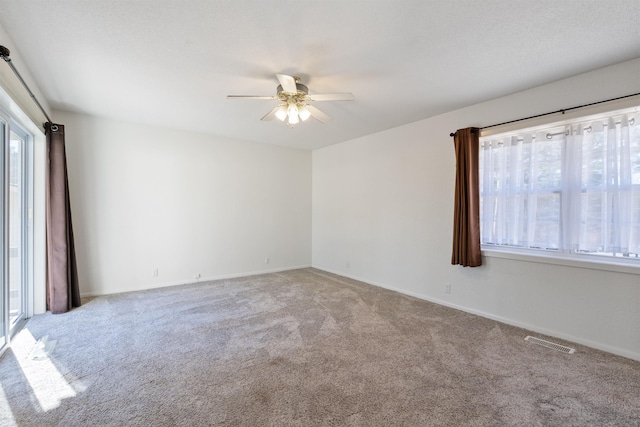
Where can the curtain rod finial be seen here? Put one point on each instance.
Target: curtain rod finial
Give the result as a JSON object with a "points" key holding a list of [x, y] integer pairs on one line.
{"points": [[452, 134], [5, 52]]}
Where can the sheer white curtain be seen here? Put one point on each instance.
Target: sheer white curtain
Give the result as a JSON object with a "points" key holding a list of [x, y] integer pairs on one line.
{"points": [[574, 188], [603, 209], [520, 190]]}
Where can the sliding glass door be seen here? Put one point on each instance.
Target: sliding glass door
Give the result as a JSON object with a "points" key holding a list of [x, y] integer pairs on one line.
{"points": [[18, 221], [4, 294], [16, 182]]}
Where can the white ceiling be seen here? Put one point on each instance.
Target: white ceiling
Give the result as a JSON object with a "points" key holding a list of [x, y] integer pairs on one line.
{"points": [[172, 62]]}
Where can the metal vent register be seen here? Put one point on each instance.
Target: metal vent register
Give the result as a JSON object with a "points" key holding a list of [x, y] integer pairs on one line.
{"points": [[549, 344]]}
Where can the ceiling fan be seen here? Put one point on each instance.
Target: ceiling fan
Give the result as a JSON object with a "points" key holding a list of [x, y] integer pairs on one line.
{"points": [[295, 101]]}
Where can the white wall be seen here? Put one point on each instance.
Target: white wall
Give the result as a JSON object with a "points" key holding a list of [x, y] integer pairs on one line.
{"points": [[146, 198], [383, 208], [12, 85]]}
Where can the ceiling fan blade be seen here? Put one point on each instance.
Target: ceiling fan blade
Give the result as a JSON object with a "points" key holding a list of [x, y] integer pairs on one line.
{"points": [[322, 117], [331, 97], [288, 83], [271, 114], [250, 97]]}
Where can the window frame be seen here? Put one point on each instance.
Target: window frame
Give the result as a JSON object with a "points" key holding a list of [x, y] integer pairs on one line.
{"points": [[559, 257]]}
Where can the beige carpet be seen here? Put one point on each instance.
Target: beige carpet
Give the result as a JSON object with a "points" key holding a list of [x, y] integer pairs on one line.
{"points": [[300, 348]]}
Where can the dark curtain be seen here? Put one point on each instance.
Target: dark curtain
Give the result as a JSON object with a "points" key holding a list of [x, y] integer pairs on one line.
{"points": [[63, 292], [466, 215]]}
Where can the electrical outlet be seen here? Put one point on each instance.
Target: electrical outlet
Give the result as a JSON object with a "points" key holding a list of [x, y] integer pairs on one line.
{"points": [[347, 265], [197, 276], [447, 288], [155, 272], [267, 260]]}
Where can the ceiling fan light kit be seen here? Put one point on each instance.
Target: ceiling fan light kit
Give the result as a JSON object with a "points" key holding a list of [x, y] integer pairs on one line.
{"points": [[295, 98]]}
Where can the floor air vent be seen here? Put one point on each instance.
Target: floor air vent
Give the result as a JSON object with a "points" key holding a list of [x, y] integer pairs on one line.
{"points": [[550, 345]]}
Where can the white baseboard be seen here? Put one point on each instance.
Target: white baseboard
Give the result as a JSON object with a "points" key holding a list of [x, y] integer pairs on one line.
{"points": [[189, 281], [552, 333]]}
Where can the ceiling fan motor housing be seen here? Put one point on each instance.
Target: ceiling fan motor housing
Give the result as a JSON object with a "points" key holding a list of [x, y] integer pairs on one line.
{"points": [[298, 97]]}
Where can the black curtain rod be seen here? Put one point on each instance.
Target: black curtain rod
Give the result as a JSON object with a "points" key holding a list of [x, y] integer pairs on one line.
{"points": [[4, 53], [452, 134]]}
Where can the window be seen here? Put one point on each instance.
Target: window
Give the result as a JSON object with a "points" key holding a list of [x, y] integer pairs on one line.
{"points": [[571, 188]]}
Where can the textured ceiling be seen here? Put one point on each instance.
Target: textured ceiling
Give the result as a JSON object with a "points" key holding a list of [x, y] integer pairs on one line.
{"points": [[172, 63]]}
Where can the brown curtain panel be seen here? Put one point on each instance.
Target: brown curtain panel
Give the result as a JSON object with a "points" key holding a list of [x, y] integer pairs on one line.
{"points": [[466, 215], [63, 292]]}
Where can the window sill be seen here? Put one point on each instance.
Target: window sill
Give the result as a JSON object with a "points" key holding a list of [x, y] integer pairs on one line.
{"points": [[578, 261]]}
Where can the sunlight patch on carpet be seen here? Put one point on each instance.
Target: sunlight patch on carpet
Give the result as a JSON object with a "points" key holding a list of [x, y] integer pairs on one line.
{"points": [[47, 383]]}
